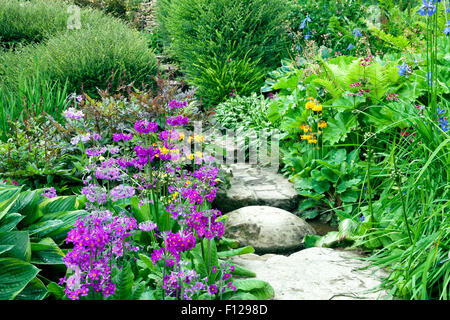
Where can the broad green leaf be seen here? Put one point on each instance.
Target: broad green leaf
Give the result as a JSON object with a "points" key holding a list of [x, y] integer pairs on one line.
{"points": [[34, 290], [339, 127], [46, 252], [344, 185], [44, 228], [349, 196], [7, 198], [21, 242], [147, 261], [242, 296], [320, 186], [15, 274], [140, 212], [10, 221], [124, 283], [260, 289], [27, 205], [5, 248], [58, 204], [56, 290]]}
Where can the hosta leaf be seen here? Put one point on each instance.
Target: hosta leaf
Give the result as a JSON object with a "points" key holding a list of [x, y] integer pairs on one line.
{"points": [[10, 221], [21, 242], [46, 252], [58, 204], [7, 198], [34, 290], [27, 205], [5, 248], [44, 228], [14, 276]]}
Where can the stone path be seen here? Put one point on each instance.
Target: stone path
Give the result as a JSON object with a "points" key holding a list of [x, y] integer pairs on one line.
{"points": [[251, 185], [316, 274]]}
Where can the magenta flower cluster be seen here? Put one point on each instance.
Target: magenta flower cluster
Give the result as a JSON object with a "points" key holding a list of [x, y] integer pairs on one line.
{"points": [[97, 239]]}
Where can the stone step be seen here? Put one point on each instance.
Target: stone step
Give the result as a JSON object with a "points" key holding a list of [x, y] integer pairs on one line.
{"points": [[317, 274]]}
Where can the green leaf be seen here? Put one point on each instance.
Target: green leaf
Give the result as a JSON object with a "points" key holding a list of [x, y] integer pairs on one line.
{"points": [[344, 185], [235, 252], [260, 289], [56, 290], [14, 276], [7, 198], [124, 283], [34, 290], [243, 272], [147, 261], [349, 196], [242, 296], [44, 228], [339, 127], [10, 221], [311, 240], [5, 248], [329, 174], [21, 242], [46, 252], [320, 186], [58, 204], [140, 213], [27, 205]]}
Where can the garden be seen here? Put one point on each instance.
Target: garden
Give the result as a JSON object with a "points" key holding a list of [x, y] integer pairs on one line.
{"points": [[224, 149]]}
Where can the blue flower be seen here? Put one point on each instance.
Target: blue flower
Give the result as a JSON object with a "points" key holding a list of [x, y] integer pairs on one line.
{"points": [[357, 33], [440, 111], [403, 69], [428, 7], [308, 35], [362, 218], [305, 22], [298, 48], [447, 28], [350, 47], [429, 79]]}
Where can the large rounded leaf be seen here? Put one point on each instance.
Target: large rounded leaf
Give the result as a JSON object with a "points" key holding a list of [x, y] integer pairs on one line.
{"points": [[34, 290], [14, 276]]}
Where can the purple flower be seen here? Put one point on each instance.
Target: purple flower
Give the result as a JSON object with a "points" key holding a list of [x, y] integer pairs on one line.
{"points": [[49, 192], [94, 193], [177, 121], [74, 114], [147, 226], [174, 104], [144, 126], [121, 136], [121, 192], [92, 152]]}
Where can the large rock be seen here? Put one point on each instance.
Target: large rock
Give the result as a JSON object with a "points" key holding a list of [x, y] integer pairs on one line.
{"points": [[316, 274], [267, 229], [251, 185]]}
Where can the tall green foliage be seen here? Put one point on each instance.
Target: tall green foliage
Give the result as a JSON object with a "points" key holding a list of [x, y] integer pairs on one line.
{"points": [[224, 44]]}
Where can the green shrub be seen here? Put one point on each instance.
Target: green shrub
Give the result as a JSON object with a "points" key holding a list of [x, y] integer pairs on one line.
{"points": [[224, 42], [103, 50], [34, 21]]}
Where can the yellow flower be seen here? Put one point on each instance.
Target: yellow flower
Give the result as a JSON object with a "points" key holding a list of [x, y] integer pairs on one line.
{"points": [[317, 107], [305, 128], [306, 137], [312, 141], [190, 156], [310, 105], [198, 154], [190, 139], [164, 150], [198, 138], [322, 124], [181, 136], [175, 195]]}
